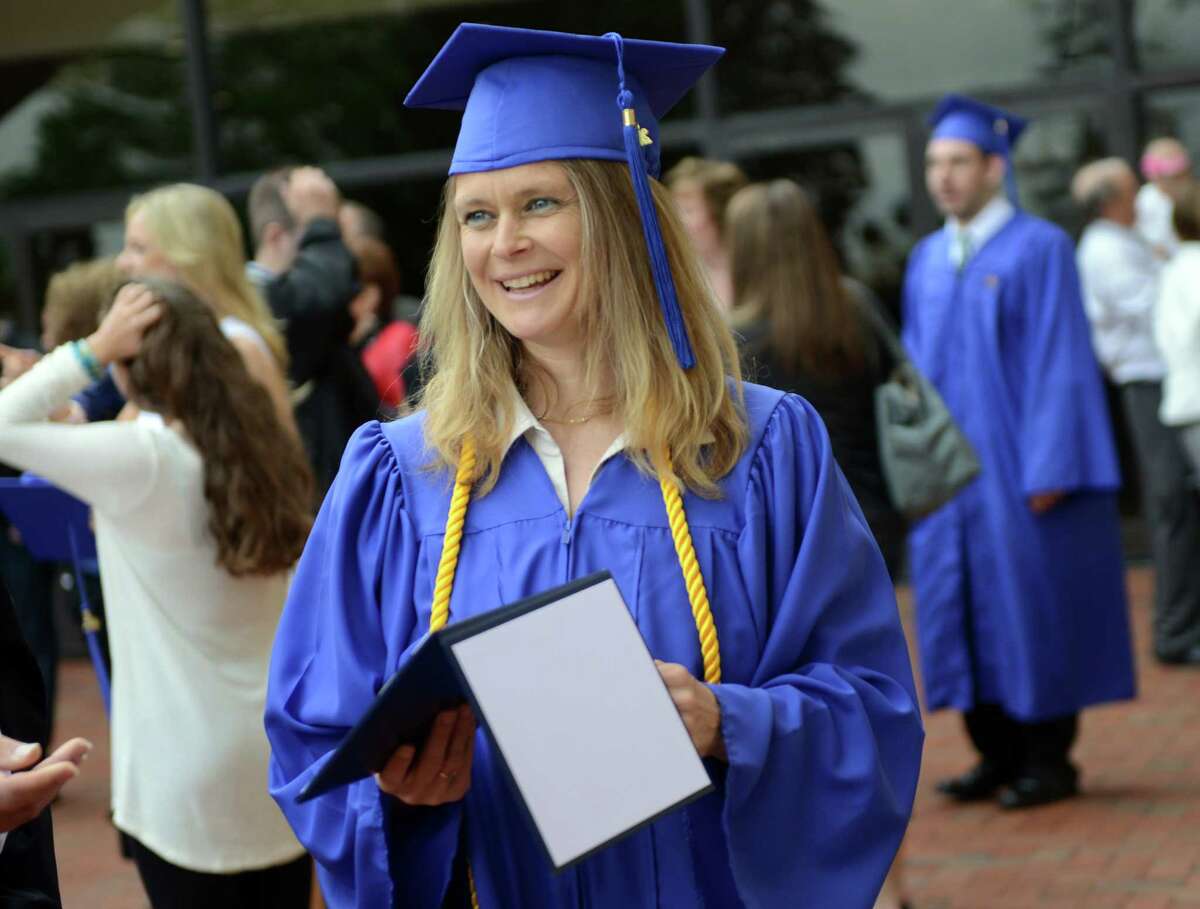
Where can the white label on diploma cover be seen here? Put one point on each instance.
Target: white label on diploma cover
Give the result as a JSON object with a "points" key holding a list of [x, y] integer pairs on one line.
{"points": [[583, 719]]}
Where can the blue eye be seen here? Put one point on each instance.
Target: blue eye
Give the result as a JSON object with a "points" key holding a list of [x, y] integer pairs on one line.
{"points": [[542, 204], [476, 218]]}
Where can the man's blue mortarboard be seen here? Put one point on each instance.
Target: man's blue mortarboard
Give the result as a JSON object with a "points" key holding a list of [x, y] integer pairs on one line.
{"points": [[530, 96], [993, 130]]}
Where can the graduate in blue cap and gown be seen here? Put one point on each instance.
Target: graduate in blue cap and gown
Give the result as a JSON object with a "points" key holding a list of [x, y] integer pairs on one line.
{"points": [[1021, 610], [582, 412]]}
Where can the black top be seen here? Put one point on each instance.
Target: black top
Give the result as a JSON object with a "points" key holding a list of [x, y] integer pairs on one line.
{"points": [[28, 874], [847, 406], [312, 299]]}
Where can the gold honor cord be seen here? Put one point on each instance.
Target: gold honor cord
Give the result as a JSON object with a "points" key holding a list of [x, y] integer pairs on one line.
{"points": [[681, 535]]}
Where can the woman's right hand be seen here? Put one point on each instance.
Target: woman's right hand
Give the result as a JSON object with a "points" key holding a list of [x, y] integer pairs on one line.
{"points": [[441, 772], [119, 336]]}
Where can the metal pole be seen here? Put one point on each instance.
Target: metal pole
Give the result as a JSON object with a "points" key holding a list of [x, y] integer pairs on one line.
{"points": [[194, 16], [1125, 127], [699, 31]]}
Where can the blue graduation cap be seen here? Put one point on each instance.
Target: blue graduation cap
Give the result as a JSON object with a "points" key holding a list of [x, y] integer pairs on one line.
{"points": [[993, 130], [530, 96]]}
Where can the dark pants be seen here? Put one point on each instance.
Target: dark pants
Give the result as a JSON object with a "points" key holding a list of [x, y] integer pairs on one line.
{"points": [[1172, 511], [286, 886], [1023, 749], [31, 584]]}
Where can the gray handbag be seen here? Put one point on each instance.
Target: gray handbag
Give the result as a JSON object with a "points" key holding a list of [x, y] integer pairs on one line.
{"points": [[925, 457]]}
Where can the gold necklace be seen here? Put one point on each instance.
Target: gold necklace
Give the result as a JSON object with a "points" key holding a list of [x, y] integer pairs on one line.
{"points": [[573, 421]]}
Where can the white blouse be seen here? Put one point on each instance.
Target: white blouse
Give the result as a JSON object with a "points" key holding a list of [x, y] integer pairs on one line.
{"points": [[1177, 330], [190, 643]]}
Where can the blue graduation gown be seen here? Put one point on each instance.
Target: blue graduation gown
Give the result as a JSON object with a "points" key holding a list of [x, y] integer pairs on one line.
{"points": [[1014, 609], [818, 708]]}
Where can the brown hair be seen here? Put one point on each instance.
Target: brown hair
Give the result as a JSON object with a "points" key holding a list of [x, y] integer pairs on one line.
{"points": [[266, 204], [719, 182], [685, 425], [786, 273], [376, 265], [1186, 216], [74, 299], [257, 480]]}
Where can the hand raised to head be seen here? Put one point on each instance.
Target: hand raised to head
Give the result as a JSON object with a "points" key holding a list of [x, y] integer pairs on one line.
{"points": [[119, 336], [310, 194]]}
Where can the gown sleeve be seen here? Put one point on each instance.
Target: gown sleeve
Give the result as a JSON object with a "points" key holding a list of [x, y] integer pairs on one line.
{"points": [[824, 742], [352, 594], [1065, 438]]}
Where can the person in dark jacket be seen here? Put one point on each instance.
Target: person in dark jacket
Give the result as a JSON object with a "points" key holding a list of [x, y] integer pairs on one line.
{"points": [[804, 330], [28, 872], [308, 277]]}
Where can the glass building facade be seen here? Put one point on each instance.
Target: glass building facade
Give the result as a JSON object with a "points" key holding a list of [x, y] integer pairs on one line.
{"points": [[101, 99]]}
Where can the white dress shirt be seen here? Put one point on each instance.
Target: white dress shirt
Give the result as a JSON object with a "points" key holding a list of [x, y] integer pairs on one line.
{"points": [[1120, 287], [543, 445], [1177, 330], [1154, 212], [985, 225]]}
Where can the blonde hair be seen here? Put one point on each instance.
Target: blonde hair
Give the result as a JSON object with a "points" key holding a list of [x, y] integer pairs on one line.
{"points": [[685, 425], [201, 236], [75, 297], [718, 181]]}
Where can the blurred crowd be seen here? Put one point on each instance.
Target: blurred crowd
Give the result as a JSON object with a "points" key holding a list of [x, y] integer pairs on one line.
{"points": [[265, 366]]}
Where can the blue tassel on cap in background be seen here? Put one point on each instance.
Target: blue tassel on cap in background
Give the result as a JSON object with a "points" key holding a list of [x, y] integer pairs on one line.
{"points": [[660, 265]]}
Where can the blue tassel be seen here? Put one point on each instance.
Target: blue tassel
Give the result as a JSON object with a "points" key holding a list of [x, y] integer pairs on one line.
{"points": [[1010, 175], [660, 265]]}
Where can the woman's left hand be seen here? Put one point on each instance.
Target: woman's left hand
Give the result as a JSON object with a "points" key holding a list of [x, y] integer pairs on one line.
{"points": [[698, 707], [119, 336]]}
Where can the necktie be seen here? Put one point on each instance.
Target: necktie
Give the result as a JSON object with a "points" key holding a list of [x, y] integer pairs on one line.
{"points": [[962, 248]]}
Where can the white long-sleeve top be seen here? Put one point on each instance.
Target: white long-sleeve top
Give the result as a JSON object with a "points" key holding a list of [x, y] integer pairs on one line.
{"points": [[1177, 329], [1120, 287], [1154, 212], [190, 643]]}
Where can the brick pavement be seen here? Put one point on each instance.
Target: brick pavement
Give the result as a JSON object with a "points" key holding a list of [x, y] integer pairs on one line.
{"points": [[1132, 841]]}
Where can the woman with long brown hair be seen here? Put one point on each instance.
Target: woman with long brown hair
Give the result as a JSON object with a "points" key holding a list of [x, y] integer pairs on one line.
{"points": [[201, 506], [804, 330], [583, 412]]}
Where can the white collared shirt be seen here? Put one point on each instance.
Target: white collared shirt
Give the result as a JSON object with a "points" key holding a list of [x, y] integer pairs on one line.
{"points": [[1154, 221], [985, 225], [543, 445], [1120, 288]]}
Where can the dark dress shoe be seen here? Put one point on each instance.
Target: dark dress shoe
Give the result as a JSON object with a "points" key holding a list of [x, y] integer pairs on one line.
{"points": [[1031, 791], [1189, 657], [978, 783]]}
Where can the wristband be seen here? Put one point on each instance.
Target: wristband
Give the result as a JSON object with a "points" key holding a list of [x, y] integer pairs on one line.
{"points": [[87, 359]]}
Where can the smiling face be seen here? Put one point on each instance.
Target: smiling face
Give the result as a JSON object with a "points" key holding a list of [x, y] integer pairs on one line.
{"points": [[521, 236], [142, 256]]}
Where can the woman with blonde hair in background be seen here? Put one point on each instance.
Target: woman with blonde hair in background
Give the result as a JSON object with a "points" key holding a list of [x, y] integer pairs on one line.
{"points": [[805, 330], [191, 234], [201, 506], [702, 189]]}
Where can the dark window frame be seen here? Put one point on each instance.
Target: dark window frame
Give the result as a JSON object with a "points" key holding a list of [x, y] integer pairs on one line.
{"points": [[739, 133]]}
